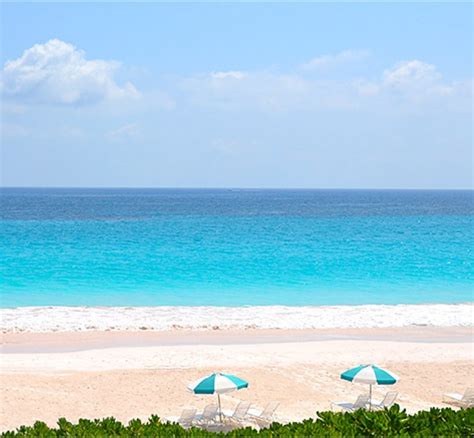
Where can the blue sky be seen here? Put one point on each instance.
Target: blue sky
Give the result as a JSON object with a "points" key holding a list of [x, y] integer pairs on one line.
{"points": [[237, 95]]}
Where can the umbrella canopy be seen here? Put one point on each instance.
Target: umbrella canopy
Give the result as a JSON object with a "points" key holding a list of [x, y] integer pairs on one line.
{"points": [[217, 383], [370, 374]]}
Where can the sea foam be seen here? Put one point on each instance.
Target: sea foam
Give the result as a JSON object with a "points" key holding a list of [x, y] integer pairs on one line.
{"points": [[55, 319]]}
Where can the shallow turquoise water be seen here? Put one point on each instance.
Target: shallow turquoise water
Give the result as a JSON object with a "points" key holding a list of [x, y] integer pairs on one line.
{"points": [[220, 247]]}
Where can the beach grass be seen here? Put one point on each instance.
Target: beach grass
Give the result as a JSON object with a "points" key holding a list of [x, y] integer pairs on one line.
{"points": [[393, 422]]}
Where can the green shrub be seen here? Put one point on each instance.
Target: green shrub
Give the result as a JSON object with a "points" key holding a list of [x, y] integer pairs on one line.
{"points": [[391, 422]]}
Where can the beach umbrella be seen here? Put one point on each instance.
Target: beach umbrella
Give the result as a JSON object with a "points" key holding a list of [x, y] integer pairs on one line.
{"points": [[370, 374], [217, 383]]}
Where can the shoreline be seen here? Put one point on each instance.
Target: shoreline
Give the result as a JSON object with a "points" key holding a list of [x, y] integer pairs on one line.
{"points": [[202, 318], [64, 342]]}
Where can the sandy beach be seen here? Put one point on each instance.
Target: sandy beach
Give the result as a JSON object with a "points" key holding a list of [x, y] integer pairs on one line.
{"points": [[127, 375]]}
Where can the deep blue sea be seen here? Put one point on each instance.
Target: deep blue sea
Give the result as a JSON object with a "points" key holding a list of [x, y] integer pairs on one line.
{"points": [[152, 247]]}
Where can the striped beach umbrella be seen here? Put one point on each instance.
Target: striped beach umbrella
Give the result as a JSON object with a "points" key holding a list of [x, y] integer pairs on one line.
{"points": [[217, 383], [370, 374]]}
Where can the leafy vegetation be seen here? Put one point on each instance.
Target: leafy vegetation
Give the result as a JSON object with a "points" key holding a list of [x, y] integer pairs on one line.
{"points": [[391, 422]]}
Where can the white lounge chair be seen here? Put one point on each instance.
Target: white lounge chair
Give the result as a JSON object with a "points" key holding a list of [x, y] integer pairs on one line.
{"points": [[361, 403], [240, 412], [208, 415], [465, 400], [265, 417], [387, 401], [187, 417]]}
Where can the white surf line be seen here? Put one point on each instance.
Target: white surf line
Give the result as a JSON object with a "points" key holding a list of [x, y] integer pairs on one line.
{"points": [[58, 319]]}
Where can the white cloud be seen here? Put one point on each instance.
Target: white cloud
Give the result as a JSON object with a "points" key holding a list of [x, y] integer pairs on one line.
{"points": [[229, 75], [406, 83], [419, 81], [127, 132], [261, 90], [59, 73], [331, 60], [411, 72]]}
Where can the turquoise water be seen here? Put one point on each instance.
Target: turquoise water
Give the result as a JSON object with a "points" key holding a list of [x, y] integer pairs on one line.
{"points": [[235, 247]]}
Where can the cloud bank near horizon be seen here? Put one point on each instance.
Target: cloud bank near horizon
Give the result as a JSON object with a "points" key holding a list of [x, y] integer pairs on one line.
{"points": [[56, 72], [295, 125]]}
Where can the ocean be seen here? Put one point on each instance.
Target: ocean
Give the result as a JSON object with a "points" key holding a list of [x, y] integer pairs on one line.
{"points": [[230, 247]]}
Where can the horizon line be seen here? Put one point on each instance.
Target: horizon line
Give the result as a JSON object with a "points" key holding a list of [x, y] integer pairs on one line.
{"points": [[236, 188]]}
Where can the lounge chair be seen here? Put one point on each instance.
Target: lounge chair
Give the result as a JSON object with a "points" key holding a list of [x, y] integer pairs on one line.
{"points": [[208, 415], [465, 400], [265, 417], [361, 403], [387, 401], [240, 412], [187, 417]]}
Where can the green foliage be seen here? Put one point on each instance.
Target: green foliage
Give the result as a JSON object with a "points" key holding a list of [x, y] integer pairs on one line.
{"points": [[392, 422]]}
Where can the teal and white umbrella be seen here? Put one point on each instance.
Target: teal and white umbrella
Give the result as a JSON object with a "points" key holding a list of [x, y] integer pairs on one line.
{"points": [[370, 374], [217, 383]]}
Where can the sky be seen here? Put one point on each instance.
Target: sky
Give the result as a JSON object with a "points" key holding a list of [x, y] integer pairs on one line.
{"points": [[282, 95]]}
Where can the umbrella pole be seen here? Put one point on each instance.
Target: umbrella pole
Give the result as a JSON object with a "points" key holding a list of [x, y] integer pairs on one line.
{"points": [[370, 397], [219, 402]]}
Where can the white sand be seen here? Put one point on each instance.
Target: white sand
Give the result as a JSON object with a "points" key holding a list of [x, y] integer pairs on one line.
{"points": [[44, 380]]}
